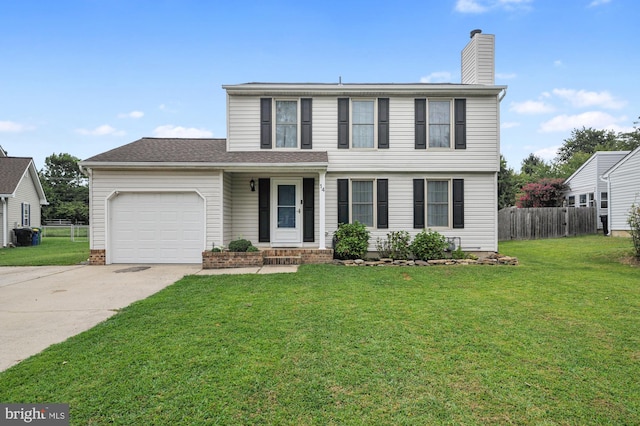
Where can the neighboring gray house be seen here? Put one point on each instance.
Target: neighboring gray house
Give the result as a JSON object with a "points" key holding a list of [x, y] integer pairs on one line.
{"points": [[301, 158], [21, 195], [623, 186], [586, 189]]}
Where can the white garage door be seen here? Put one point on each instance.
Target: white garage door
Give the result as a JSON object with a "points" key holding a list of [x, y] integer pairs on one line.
{"points": [[156, 228]]}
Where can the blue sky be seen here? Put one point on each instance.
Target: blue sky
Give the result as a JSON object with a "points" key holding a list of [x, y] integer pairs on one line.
{"points": [[86, 76]]}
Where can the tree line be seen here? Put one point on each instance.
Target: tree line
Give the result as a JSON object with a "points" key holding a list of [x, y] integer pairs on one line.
{"points": [[541, 184]]}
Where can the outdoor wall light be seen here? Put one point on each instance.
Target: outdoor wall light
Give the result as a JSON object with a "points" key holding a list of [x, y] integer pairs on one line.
{"points": [[252, 185]]}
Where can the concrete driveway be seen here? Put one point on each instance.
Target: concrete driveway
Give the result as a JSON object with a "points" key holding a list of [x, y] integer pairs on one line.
{"points": [[40, 306]]}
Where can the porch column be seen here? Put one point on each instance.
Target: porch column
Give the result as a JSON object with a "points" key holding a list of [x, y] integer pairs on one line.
{"points": [[322, 210]]}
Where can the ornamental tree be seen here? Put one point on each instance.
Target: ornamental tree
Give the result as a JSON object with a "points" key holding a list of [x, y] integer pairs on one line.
{"points": [[544, 193]]}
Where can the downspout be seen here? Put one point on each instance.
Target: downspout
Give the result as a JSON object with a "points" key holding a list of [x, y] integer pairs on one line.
{"points": [[606, 179], [5, 222]]}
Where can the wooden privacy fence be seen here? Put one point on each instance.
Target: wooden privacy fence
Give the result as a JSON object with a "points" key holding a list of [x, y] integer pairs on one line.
{"points": [[546, 222]]}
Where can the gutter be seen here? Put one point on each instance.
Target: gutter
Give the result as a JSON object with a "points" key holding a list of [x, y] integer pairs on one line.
{"points": [[5, 230]]}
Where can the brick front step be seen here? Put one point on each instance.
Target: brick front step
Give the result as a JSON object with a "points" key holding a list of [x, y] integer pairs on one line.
{"points": [[283, 260]]}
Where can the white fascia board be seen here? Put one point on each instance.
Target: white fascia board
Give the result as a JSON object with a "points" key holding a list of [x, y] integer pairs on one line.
{"points": [[224, 166]]}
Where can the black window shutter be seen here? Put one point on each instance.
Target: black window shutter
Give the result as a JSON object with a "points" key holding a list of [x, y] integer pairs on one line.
{"points": [[264, 204], [383, 203], [305, 123], [383, 123], [418, 203], [343, 123], [421, 123], [308, 185], [343, 201], [458, 203], [460, 118], [265, 123]]}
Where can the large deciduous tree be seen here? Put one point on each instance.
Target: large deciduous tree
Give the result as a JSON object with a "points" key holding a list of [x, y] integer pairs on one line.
{"points": [[66, 188], [544, 193]]}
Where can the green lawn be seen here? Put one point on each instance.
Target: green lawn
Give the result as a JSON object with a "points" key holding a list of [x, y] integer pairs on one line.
{"points": [[552, 341], [51, 251]]}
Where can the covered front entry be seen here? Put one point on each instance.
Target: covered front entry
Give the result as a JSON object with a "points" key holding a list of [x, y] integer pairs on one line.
{"points": [[286, 212], [155, 227]]}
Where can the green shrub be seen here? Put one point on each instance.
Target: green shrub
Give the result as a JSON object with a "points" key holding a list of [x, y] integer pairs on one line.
{"points": [[240, 245], [351, 241], [216, 249], [634, 228], [458, 254], [395, 246], [253, 249], [428, 245]]}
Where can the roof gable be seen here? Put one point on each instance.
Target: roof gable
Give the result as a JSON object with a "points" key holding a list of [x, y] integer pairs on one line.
{"points": [[621, 162], [591, 159], [12, 169]]}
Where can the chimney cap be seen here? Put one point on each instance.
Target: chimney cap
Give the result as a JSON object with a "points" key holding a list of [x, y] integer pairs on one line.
{"points": [[474, 32]]}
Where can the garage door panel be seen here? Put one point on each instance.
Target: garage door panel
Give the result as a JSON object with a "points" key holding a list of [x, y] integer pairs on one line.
{"points": [[156, 228]]}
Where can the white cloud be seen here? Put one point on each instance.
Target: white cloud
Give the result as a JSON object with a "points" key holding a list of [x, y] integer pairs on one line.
{"points": [[437, 77], [583, 98], [171, 131], [132, 114], [103, 130], [509, 124], [13, 127], [547, 154], [482, 6], [594, 119], [531, 107], [595, 3]]}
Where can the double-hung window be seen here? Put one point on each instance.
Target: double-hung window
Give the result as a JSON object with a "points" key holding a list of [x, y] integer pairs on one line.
{"points": [[26, 214], [604, 200], [362, 201], [571, 201], [439, 123], [437, 203], [583, 200], [286, 124], [363, 119]]}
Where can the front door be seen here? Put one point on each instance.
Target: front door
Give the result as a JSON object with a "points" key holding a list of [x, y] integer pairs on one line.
{"points": [[286, 211]]}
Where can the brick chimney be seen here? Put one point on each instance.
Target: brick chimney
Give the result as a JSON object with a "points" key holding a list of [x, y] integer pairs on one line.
{"points": [[478, 59]]}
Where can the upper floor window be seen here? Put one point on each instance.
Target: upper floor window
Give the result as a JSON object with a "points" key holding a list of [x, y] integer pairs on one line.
{"points": [[439, 124], [288, 121], [363, 123], [363, 119], [286, 124]]}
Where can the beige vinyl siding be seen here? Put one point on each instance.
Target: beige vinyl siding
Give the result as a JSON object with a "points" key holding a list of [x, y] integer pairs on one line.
{"points": [[479, 233], [105, 182], [625, 191], [245, 207], [25, 193], [481, 154]]}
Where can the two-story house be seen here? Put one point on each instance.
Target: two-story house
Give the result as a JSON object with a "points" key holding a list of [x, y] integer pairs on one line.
{"points": [[301, 158]]}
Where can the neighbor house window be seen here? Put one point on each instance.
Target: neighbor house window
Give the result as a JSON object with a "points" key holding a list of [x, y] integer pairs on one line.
{"points": [[363, 119], [286, 124], [26, 214], [592, 200], [583, 200], [362, 202], [439, 124], [571, 201], [438, 203], [604, 200]]}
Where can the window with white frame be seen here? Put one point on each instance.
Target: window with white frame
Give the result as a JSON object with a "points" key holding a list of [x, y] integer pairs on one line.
{"points": [[571, 201], [583, 200], [362, 202], [26, 214], [437, 203], [286, 124], [363, 120], [604, 200], [592, 200], [439, 123]]}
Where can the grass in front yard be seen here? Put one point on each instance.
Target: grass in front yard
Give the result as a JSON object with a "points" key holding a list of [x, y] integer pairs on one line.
{"points": [[552, 341], [51, 251]]}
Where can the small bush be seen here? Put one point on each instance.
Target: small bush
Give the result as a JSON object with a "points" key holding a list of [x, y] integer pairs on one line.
{"points": [[351, 241], [253, 249], [429, 245], [634, 228], [396, 246], [458, 254], [240, 245], [216, 249]]}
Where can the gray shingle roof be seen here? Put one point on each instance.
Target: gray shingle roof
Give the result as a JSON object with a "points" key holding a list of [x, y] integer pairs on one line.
{"points": [[11, 171], [179, 150]]}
